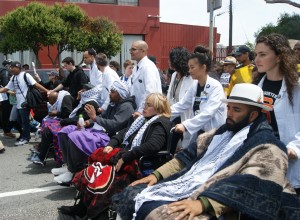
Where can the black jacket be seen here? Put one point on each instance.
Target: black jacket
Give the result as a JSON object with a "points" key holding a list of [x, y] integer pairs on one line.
{"points": [[4, 76], [75, 81], [116, 117], [66, 107], [155, 139]]}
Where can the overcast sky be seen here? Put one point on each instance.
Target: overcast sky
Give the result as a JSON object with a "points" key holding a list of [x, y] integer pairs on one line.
{"points": [[248, 16]]}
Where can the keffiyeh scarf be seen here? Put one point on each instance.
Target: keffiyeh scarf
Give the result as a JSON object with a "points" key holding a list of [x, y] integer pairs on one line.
{"points": [[140, 126], [93, 94], [220, 149]]}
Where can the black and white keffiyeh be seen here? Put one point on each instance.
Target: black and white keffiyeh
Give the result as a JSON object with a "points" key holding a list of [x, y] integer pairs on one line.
{"points": [[140, 125], [221, 148], [93, 94]]}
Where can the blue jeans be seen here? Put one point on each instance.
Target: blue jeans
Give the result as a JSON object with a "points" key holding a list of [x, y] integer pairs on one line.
{"points": [[23, 119]]}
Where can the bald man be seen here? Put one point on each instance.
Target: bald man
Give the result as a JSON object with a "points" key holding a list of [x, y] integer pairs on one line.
{"points": [[60, 107], [61, 104], [145, 78]]}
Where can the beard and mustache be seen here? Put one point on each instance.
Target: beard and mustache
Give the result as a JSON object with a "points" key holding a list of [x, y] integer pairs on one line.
{"points": [[237, 126]]}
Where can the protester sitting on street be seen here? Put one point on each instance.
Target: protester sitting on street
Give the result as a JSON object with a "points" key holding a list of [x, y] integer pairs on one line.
{"points": [[233, 171], [128, 67], [229, 64], [18, 84], [74, 81], [147, 135], [60, 107], [181, 81], [53, 80], [78, 143], [279, 80], [203, 97]]}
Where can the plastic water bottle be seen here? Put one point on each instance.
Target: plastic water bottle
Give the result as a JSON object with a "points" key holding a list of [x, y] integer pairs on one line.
{"points": [[81, 121]]}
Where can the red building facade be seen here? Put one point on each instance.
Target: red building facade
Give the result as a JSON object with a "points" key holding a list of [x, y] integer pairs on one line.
{"points": [[139, 19]]}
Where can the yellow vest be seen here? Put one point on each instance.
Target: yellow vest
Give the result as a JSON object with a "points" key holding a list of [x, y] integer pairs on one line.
{"points": [[241, 75], [298, 68]]}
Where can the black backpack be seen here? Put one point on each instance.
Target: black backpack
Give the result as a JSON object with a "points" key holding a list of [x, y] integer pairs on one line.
{"points": [[34, 97]]}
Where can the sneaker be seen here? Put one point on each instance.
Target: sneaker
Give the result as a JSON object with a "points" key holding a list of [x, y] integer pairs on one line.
{"points": [[21, 142], [64, 178], [59, 171], [36, 160], [37, 134], [2, 149]]}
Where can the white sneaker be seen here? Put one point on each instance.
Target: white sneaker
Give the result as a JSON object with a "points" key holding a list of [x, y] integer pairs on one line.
{"points": [[21, 142], [64, 178], [59, 171]]}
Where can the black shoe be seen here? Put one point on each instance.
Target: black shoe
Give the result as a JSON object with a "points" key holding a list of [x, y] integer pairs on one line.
{"points": [[78, 210]]}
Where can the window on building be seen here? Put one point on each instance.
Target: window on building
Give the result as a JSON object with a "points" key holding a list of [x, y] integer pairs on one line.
{"points": [[115, 2]]}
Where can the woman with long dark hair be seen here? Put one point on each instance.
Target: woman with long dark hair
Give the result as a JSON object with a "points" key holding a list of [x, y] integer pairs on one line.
{"points": [[277, 67], [179, 85], [204, 96]]}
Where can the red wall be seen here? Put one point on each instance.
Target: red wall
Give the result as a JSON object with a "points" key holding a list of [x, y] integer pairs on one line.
{"points": [[161, 37]]}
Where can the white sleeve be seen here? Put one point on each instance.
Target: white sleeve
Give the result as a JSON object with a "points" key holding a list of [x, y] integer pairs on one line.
{"points": [[30, 79], [10, 85], [206, 114], [184, 104], [295, 144]]}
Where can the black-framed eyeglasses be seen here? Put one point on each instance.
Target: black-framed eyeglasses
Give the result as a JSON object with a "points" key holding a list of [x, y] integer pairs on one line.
{"points": [[133, 49]]}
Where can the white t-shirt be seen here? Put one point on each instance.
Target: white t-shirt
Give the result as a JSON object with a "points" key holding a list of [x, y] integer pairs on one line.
{"points": [[225, 80], [18, 84]]}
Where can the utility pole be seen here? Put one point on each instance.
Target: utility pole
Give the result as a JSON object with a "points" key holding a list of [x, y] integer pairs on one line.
{"points": [[211, 26], [230, 27]]}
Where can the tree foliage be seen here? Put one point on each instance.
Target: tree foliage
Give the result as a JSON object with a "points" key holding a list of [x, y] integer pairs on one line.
{"points": [[295, 4], [108, 43], [287, 25], [64, 27]]}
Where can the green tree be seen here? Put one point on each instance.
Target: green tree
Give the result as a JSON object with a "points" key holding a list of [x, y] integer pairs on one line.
{"points": [[72, 34], [103, 35], [63, 27], [287, 25], [30, 27]]}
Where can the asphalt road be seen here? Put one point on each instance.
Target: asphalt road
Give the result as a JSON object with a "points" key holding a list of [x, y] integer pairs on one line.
{"points": [[27, 191]]}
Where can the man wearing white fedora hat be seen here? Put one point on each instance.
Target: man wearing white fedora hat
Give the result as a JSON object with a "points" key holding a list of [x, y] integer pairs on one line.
{"points": [[236, 171]]}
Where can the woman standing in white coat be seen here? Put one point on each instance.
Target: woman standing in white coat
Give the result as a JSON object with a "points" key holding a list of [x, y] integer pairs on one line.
{"points": [[277, 65], [204, 97], [180, 83]]}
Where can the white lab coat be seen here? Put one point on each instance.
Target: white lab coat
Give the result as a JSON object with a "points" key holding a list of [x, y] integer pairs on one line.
{"points": [[288, 121], [108, 77], [95, 75], [187, 81], [212, 111], [144, 81]]}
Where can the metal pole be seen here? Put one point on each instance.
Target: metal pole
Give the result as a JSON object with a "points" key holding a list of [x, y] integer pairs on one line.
{"points": [[230, 27], [211, 26]]}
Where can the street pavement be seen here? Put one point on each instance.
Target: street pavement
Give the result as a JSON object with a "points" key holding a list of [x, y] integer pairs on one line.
{"points": [[27, 191]]}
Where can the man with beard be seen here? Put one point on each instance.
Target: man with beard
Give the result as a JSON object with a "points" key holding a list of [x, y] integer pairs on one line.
{"points": [[236, 171]]}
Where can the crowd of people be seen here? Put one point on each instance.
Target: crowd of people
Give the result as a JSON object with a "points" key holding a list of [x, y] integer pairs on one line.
{"points": [[236, 131]]}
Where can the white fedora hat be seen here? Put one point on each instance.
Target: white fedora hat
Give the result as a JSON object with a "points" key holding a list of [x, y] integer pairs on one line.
{"points": [[248, 94]]}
